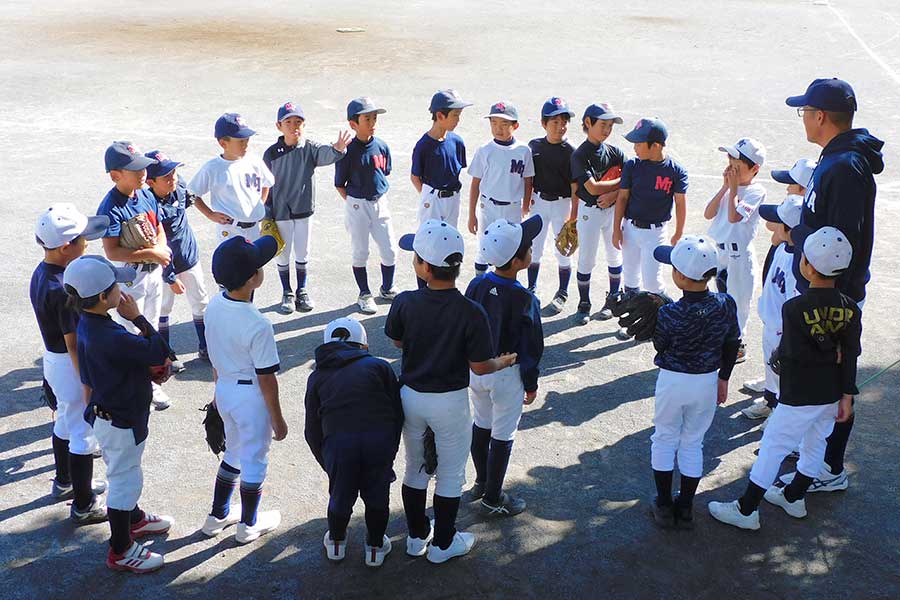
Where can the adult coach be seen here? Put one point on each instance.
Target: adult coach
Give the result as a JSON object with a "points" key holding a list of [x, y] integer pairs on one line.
{"points": [[842, 195]]}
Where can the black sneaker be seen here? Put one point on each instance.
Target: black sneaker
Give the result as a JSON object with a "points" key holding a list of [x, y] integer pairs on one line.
{"points": [[177, 366], [506, 507], [477, 492], [304, 303], [663, 516], [558, 303], [684, 515], [605, 313], [584, 313]]}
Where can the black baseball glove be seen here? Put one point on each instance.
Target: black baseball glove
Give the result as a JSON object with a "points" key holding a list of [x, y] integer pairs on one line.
{"points": [[431, 457], [215, 429], [47, 395], [637, 312]]}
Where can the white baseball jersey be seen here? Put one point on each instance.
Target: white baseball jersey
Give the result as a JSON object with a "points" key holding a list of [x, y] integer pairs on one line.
{"points": [[240, 339], [779, 287], [234, 186], [502, 170], [742, 232]]}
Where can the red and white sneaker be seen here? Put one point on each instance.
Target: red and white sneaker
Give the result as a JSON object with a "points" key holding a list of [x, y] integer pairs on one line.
{"points": [[136, 559], [151, 525]]}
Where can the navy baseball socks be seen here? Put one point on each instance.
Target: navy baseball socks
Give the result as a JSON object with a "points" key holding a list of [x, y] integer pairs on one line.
{"points": [[387, 282], [63, 478], [496, 502], [678, 511], [284, 274], [251, 493], [417, 523], [362, 280], [445, 511], [226, 480], [254, 523], [481, 440]]}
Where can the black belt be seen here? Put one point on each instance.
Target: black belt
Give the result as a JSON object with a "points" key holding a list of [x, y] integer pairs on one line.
{"points": [[734, 247], [244, 224], [550, 197], [497, 202], [245, 382], [146, 267], [645, 224], [443, 193], [99, 412]]}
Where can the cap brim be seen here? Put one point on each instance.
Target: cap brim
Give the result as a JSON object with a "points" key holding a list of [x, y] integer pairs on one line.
{"points": [[634, 137], [267, 247], [138, 163], [796, 101], [96, 227], [504, 117], [292, 114], [663, 254], [614, 118], [243, 133], [166, 167], [377, 111], [769, 212], [731, 151], [406, 242], [783, 177], [459, 104], [561, 111], [124, 274], [531, 228]]}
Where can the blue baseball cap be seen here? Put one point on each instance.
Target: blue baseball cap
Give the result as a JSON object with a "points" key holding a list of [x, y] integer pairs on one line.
{"points": [[833, 94], [556, 106], [232, 125], [361, 106], [648, 130], [125, 156], [602, 111], [289, 109], [447, 100], [164, 165], [237, 259], [503, 110]]}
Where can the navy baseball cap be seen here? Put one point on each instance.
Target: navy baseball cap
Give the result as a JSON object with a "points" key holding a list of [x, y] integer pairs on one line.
{"points": [[237, 259], [556, 106], [447, 100], [232, 125], [361, 106], [503, 110], [164, 165], [602, 111], [289, 109], [648, 130], [125, 157], [833, 94]]}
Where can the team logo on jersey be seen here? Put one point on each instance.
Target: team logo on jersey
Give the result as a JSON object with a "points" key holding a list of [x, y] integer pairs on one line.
{"points": [[831, 319], [252, 180], [664, 184], [778, 279], [380, 162], [517, 167]]}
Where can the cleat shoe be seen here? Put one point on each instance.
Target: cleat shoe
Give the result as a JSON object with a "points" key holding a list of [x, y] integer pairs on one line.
{"points": [[622, 334], [151, 525], [663, 516], [775, 495], [375, 554], [177, 366], [366, 304], [304, 302], [757, 386], [136, 559], [825, 482], [266, 522], [741, 355], [584, 313], [730, 513], [558, 303], [287, 303], [66, 492], [476, 492], [506, 507], [684, 515], [160, 399], [336, 551], [213, 526], [605, 313], [94, 513], [419, 546], [757, 410], [388, 295], [203, 354], [462, 543]]}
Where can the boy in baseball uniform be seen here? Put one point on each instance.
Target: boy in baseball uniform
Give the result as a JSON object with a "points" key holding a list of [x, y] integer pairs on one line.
{"points": [[183, 275], [498, 398], [293, 160], [127, 168], [63, 233], [696, 341], [244, 358], [115, 370], [237, 182], [596, 167], [353, 422], [502, 171], [443, 336], [735, 217], [552, 192], [361, 181], [817, 354]]}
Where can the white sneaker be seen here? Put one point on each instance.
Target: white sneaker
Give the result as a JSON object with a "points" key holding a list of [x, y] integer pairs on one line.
{"points": [[366, 304], [375, 554], [334, 550], [461, 544], [136, 559], [160, 399], [266, 522], [757, 386], [775, 495], [757, 410], [213, 526], [418, 546], [825, 482], [730, 513], [152, 525]]}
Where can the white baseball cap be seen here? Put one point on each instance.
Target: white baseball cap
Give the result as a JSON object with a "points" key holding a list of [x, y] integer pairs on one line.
{"points": [[828, 251], [92, 274], [503, 239], [346, 329], [62, 223], [748, 148], [788, 212], [693, 256], [435, 242], [801, 173]]}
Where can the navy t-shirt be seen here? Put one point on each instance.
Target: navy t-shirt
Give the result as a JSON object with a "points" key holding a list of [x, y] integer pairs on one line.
{"points": [[438, 163], [48, 298], [119, 208], [442, 332], [590, 160], [179, 234], [653, 186], [363, 172], [552, 167]]}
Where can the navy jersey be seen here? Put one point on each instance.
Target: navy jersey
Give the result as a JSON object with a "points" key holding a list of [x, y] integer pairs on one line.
{"points": [[515, 317], [590, 160], [179, 234], [697, 334], [115, 365], [552, 167], [48, 298], [119, 208], [363, 172], [438, 163], [442, 332], [653, 186]]}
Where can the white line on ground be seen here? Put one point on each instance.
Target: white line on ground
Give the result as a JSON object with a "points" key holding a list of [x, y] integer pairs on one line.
{"points": [[878, 60]]}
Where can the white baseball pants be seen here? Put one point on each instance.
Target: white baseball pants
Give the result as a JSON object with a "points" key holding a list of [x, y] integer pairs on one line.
{"points": [[194, 291], [223, 232], [123, 464], [66, 384], [595, 224], [297, 239], [742, 267], [498, 400], [638, 265], [488, 212], [771, 338], [789, 425], [684, 409], [433, 207], [448, 415], [248, 428], [147, 291], [554, 214], [363, 218]]}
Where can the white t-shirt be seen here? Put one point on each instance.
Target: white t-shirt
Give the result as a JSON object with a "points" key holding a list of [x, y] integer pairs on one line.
{"points": [[239, 338], [779, 287], [502, 170], [234, 186], [742, 232]]}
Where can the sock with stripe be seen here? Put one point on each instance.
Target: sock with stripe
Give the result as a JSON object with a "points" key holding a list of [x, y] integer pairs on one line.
{"points": [[226, 480], [250, 496], [284, 274], [164, 328], [584, 287], [615, 278], [300, 268], [565, 274]]}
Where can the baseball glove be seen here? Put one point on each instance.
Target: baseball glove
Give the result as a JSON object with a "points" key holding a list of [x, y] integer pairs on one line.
{"points": [[431, 457], [47, 395], [567, 240], [270, 228], [137, 233], [215, 428], [637, 312], [160, 374], [775, 361]]}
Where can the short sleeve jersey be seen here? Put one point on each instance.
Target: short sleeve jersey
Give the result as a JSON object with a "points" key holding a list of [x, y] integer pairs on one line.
{"points": [[442, 331], [241, 341], [48, 299], [365, 169], [234, 186], [691, 334], [741, 233], [653, 186], [502, 169], [439, 163], [590, 160], [779, 287], [119, 208], [179, 234], [552, 167]]}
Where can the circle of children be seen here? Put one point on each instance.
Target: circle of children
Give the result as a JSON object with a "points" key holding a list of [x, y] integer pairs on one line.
{"points": [[469, 361]]}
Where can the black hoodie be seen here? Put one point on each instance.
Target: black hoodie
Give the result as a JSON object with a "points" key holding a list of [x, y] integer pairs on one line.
{"points": [[842, 195], [350, 391]]}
